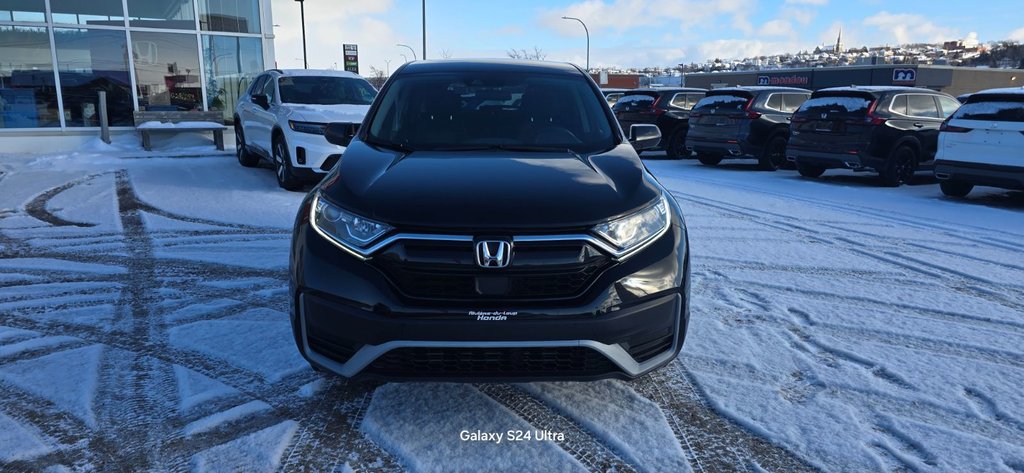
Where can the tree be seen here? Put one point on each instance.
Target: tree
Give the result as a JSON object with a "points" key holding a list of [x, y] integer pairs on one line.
{"points": [[537, 54], [446, 54], [377, 77]]}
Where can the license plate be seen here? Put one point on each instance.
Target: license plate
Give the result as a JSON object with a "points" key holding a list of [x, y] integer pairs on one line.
{"points": [[825, 127]]}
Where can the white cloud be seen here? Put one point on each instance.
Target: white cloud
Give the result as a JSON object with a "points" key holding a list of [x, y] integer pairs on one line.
{"points": [[807, 2], [365, 23], [620, 16], [744, 48], [903, 28], [1017, 35], [777, 27]]}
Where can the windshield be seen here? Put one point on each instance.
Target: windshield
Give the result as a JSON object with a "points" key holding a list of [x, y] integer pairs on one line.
{"points": [[469, 110], [996, 109], [326, 90], [721, 104], [836, 105]]}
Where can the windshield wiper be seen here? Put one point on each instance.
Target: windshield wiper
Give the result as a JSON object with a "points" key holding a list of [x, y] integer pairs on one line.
{"points": [[390, 146]]}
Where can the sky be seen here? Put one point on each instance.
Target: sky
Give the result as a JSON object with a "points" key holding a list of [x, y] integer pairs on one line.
{"points": [[624, 33]]}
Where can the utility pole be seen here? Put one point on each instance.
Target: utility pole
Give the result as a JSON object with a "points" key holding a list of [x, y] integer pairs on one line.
{"points": [[302, 13]]}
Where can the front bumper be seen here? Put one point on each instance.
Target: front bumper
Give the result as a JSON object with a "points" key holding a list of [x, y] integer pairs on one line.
{"points": [[348, 318], [312, 156], [980, 174]]}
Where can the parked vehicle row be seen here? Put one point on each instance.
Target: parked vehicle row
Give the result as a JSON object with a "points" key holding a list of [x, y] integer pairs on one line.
{"points": [[892, 131]]}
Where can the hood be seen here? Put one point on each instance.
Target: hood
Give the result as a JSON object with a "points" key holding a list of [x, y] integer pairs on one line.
{"points": [[480, 190], [345, 113]]}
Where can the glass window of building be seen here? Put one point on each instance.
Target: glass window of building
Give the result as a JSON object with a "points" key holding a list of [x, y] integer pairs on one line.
{"points": [[171, 14], [89, 61], [92, 12], [234, 16], [28, 92], [22, 10], [231, 64], [167, 71]]}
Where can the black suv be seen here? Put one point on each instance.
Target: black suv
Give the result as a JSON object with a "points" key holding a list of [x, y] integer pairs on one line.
{"points": [[523, 239], [744, 123], [893, 131], [668, 108]]}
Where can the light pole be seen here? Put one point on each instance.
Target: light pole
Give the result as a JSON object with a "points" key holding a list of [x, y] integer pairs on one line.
{"points": [[387, 65], [424, 30], [588, 38], [413, 51], [302, 13]]}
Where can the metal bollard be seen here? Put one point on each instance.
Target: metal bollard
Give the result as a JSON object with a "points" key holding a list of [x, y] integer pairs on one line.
{"points": [[104, 122]]}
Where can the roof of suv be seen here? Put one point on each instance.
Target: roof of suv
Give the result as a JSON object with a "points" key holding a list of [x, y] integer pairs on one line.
{"points": [[315, 72], [1003, 91], [490, 65], [648, 90], [760, 88], [880, 89]]}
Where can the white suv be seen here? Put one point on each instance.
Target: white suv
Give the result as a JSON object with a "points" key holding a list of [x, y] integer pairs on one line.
{"points": [[981, 143], [283, 114]]}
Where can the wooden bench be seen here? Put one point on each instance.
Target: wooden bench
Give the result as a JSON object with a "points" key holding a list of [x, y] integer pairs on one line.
{"points": [[148, 123]]}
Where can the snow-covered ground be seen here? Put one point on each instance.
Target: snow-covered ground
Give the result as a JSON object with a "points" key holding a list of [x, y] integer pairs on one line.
{"points": [[836, 326]]}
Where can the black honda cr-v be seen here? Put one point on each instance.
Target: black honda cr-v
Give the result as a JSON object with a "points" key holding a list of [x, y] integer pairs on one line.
{"points": [[744, 123], [666, 107], [893, 131], [515, 237]]}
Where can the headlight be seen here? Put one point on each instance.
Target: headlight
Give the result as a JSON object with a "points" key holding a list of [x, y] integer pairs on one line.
{"points": [[307, 127], [632, 231], [347, 229]]}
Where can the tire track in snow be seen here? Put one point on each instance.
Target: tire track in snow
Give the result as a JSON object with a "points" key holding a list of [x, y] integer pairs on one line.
{"points": [[586, 447], [713, 443]]}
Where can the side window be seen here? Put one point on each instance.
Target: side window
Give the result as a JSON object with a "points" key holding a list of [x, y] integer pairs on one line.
{"points": [[680, 100], [693, 99], [775, 102], [922, 106], [257, 85], [792, 102], [948, 105], [270, 90], [899, 105]]}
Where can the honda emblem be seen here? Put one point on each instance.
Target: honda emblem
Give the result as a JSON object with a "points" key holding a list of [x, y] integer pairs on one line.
{"points": [[493, 253]]}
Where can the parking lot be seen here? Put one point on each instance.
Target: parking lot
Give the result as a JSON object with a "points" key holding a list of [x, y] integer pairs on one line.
{"points": [[836, 325]]}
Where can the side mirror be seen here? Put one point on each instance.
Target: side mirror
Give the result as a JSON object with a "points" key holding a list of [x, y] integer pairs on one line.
{"points": [[644, 137], [262, 100], [340, 134]]}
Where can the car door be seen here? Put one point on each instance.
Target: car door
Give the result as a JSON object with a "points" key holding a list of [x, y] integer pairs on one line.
{"points": [[264, 119], [246, 108], [924, 109]]}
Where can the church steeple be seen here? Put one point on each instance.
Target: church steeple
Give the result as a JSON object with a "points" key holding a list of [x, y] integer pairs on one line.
{"points": [[839, 42]]}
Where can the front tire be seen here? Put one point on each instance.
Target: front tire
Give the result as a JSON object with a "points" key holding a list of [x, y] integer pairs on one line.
{"points": [[283, 166], [245, 158], [900, 167], [809, 170], [956, 188], [676, 148], [774, 155], [709, 159]]}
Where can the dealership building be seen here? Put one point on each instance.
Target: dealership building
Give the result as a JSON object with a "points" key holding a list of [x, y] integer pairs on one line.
{"points": [[952, 80], [147, 55]]}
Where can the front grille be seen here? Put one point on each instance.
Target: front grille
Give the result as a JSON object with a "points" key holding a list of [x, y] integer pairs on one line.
{"points": [[531, 362], [443, 270]]}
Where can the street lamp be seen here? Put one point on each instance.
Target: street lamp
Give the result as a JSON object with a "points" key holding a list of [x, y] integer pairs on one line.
{"points": [[404, 57], [302, 12], [424, 30], [588, 38], [410, 49]]}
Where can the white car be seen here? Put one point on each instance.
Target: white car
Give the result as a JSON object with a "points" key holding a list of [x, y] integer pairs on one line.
{"points": [[982, 144], [283, 114]]}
